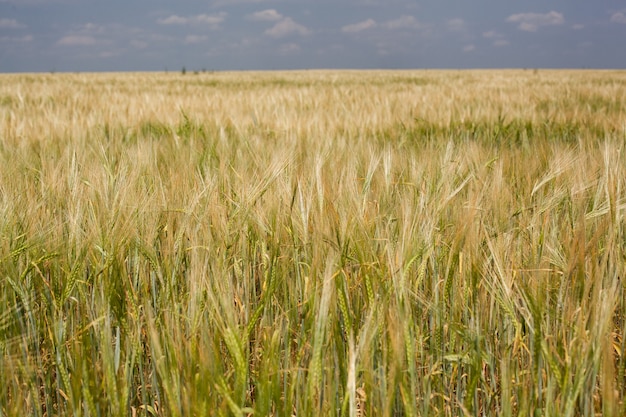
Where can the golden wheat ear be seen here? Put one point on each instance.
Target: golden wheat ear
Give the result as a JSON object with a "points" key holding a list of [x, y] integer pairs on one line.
{"points": [[372, 243]]}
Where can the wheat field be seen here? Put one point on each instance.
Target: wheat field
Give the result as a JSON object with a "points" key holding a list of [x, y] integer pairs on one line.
{"points": [[358, 243]]}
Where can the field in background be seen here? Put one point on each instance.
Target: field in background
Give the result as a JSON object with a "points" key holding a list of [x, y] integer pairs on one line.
{"points": [[313, 243]]}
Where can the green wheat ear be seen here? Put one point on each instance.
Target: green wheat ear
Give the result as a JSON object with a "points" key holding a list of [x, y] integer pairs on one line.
{"points": [[343, 301]]}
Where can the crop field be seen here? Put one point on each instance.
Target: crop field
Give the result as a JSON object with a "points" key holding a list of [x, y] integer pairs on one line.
{"points": [[314, 243]]}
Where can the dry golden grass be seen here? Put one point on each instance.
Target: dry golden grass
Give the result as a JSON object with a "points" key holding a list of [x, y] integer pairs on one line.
{"points": [[313, 243]]}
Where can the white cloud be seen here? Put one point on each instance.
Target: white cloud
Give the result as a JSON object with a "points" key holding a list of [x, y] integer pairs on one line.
{"points": [[139, 44], [497, 38], [469, 48], [269, 15], [37, 2], [403, 22], [619, 17], [492, 34], [76, 40], [247, 42], [531, 22], [286, 27], [173, 20], [233, 2], [456, 24], [19, 39], [358, 27], [213, 20], [108, 54], [289, 48], [10, 24], [91, 28], [578, 26], [157, 37], [191, 39]]}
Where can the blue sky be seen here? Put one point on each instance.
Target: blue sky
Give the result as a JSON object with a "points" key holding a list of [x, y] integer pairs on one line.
{"points": [[154, 35]]}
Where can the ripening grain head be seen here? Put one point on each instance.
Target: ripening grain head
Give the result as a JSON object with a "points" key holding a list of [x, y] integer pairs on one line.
{"points": [[381, 243]]}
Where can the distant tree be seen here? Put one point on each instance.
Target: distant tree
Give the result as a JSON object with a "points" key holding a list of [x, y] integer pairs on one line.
{"points": [[184, 71]]}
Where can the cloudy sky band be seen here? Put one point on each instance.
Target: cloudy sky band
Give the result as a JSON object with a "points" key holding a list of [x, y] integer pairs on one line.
{"points": [[274, 34]]}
